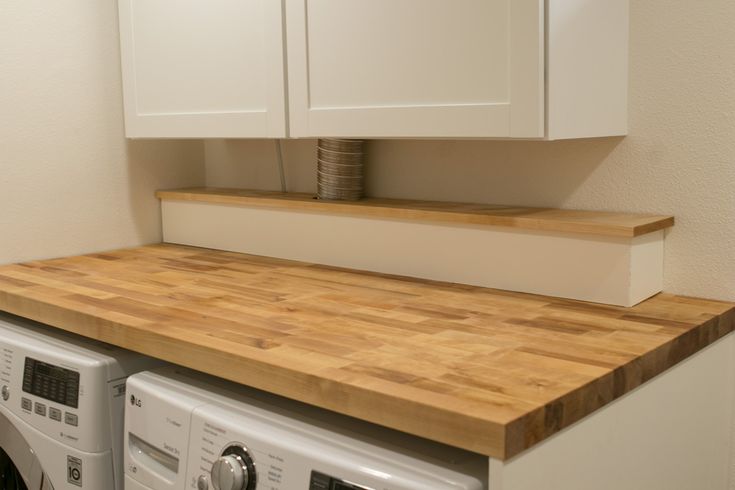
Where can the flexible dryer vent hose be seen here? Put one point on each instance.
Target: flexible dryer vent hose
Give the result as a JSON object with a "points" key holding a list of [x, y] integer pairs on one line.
{"points": [[340, 169]]}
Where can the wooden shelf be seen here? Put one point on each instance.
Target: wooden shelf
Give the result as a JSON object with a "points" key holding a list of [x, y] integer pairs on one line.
{"points": [[547, 219]]}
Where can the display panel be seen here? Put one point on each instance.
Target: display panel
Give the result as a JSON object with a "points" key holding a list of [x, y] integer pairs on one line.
{"points": [[51, 382], [320, 481]]}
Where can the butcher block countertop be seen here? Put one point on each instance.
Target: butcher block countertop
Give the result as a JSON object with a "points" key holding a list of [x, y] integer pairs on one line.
{"points": [[485, 370]]}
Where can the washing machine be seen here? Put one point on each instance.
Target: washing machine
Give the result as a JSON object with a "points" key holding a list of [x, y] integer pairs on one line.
{"points": [[185, 430], [62, 400]]}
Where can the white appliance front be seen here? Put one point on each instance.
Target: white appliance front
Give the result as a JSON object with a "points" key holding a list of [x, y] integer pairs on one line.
{"points": [[61, 408], [188, 431]]}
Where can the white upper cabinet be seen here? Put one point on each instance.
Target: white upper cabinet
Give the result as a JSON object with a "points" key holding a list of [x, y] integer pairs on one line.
{"points": [[541, 69], [393, 68], [203, 68]]}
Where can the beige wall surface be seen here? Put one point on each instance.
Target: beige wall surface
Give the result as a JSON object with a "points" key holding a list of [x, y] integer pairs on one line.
{"points": [[679, 157], [69, 181]]}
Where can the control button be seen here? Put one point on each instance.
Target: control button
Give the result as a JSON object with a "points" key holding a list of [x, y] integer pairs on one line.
{"points": [[5, 392], [203, 483], [54, 414], [40, 409], [26, 404], [71, 419]]}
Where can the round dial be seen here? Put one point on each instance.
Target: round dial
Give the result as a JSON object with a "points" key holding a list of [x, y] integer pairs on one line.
{"points": [[234, 470], [229, 473]]}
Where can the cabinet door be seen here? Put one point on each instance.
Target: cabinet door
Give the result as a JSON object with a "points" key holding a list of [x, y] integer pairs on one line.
{"points": [[416, 68], [203, 68]]}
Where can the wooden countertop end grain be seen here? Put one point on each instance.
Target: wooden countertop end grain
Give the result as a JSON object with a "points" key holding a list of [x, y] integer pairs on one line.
{"points": [[485, 370], [547, 219]]}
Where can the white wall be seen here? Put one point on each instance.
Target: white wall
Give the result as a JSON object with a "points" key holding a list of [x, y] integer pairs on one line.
{"points": [[69, 181], [678, 159]]}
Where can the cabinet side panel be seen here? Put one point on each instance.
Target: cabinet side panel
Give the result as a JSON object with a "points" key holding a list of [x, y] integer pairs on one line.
{"points": [[669, 434], [587, 63]]}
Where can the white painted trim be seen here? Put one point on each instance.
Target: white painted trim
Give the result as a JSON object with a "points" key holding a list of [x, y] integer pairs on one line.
{"points": [[527, 73], [646, 266], [585, 267], [467, 121]]}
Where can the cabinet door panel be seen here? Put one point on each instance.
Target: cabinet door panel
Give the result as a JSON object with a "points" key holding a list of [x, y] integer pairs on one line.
{"points": [[401, 68], [196, 68]]}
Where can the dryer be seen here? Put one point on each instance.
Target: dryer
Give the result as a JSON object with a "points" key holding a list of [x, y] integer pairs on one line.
{"points": [[185, 430], [61, 408]]}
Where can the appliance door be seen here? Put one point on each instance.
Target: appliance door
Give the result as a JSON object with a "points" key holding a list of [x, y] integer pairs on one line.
{"points": [[19, 466], [131, 484]]}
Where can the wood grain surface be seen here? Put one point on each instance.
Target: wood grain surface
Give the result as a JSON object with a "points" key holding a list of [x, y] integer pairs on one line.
{"points": [[562, 220], [485, 370]]}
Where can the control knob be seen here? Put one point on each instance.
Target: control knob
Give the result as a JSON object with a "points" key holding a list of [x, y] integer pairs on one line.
{"points": [[234, 470]]}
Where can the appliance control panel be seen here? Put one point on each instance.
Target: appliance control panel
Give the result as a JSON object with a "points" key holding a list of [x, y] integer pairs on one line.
{"points": [[56, 387], [53, 383], [49, 394], [199, 437], [285, 455], [6, 370], [216, 435]]}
